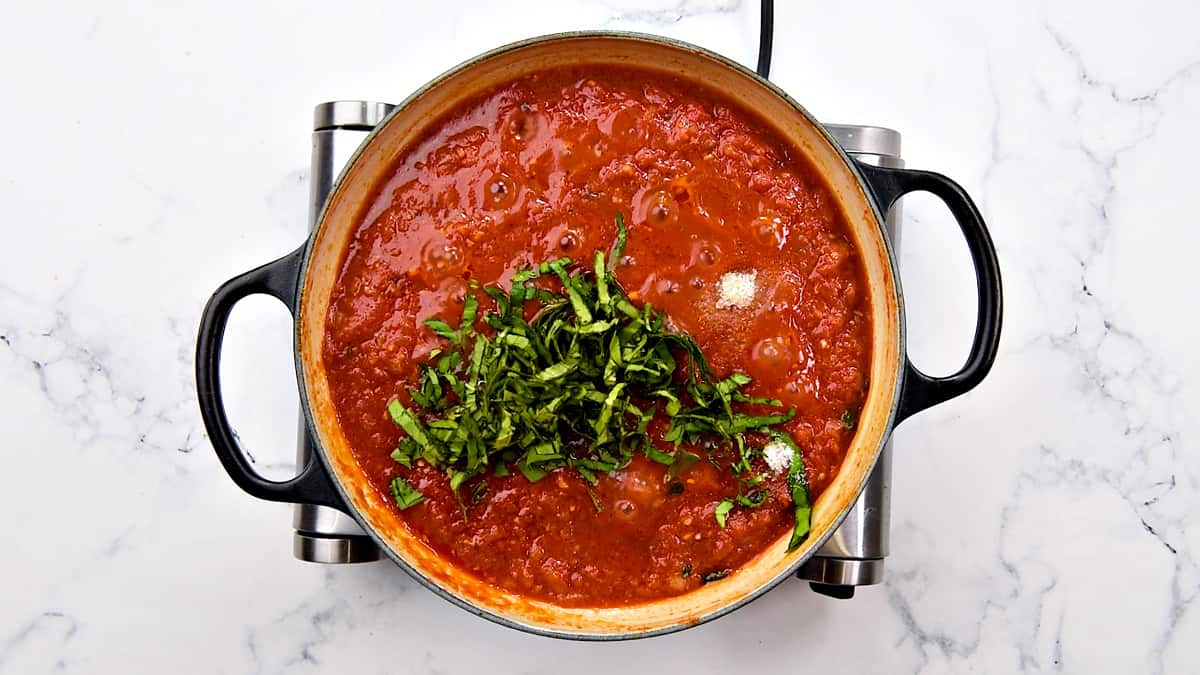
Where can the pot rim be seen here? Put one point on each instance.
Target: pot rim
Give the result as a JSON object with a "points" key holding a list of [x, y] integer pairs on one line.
{"points": [[487, 613]]}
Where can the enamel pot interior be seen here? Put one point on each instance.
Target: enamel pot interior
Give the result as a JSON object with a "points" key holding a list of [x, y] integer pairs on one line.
{"points": [[353, 196]]}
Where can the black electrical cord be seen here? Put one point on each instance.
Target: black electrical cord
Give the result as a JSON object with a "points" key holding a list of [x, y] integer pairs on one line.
{"points": [[766, 34]]}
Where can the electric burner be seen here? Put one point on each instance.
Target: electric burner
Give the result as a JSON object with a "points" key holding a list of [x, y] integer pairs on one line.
{"points": [[852, 557]]}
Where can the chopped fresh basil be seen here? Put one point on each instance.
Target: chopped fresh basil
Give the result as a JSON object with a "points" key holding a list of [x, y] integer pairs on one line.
{"points": [[683, 461], [443, 329], [576, 387], [532, 473], [850, 418], [676, 488], [618, 249], [797, 481], [714, 576], [479, 492], [659, 456], [753, 500], [470, 306], [405, 495], [686, 571], [722, 511], [595, 501], [402, 458]]}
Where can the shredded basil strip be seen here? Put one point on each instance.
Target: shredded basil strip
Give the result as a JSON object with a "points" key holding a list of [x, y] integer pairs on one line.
{"points": [[576, 387], [722, 511], [797, 481], [405, 495]]}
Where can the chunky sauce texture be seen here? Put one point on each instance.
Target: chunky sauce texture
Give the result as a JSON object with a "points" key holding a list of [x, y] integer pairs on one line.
{"points": [[536, 170]]}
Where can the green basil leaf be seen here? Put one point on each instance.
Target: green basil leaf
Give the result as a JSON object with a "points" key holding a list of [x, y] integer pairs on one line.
{"points": [[443, 329], [797, 480], [753, 500], [571, 285], [587, 474], [457, 478], [603, 299], [722, 511], [470, 306], [532, 473], [557, 371], [406, 496], [595, 501], [479, 492], [659, 456], [618, 249]]}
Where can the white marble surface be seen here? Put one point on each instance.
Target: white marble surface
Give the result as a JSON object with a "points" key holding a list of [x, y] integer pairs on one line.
{"points": [[1045, 522]]}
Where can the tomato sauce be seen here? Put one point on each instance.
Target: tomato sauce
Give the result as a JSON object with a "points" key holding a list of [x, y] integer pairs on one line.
{"points": [[535, 170]]}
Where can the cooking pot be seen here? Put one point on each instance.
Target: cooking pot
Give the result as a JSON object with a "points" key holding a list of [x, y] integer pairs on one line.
{"points": [[304, 281]]}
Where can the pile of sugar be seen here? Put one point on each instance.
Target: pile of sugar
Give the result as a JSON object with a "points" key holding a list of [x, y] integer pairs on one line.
{"points": [[737, 289], [778, 455]]}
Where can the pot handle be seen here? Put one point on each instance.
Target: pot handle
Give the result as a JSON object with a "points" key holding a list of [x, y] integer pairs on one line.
{"points": [[279, 279], [921, 391]]}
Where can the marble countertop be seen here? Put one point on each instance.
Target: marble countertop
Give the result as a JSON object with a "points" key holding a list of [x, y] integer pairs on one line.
{"points": [[1044, 522]]}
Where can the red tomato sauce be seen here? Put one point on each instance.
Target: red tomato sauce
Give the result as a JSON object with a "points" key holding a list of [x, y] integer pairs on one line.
{"points": [[538, 169]]}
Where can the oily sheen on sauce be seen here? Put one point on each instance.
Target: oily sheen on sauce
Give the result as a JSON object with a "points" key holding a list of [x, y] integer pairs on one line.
{"points": [[535, 170]]}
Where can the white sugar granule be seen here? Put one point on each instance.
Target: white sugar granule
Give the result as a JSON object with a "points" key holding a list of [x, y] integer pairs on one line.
{"points": [[778, 455], [737, 289]]}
